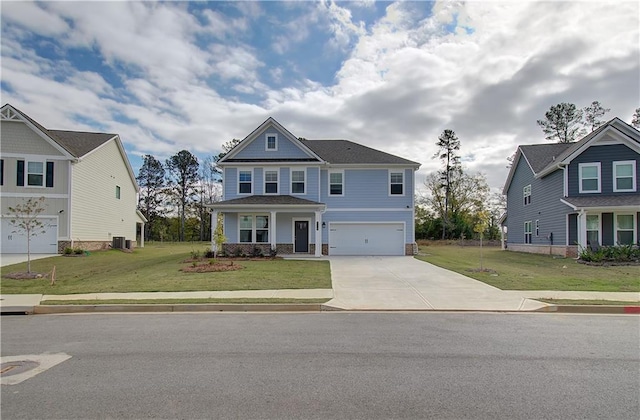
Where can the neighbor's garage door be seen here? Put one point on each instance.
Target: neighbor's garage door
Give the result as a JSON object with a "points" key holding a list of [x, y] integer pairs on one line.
{"points": [[42, 243], [366, 238]]}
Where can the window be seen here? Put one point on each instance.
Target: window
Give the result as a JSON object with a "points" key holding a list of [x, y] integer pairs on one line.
{"points": [[254, 226], [526, 194], [244, 182], [625, 229], [298, 182], [624, 179], [271, 142], [527, 232], [537, 228], [593, 229], [35, 174], [118, 192], [336, 181], [396, 183], [271, 182], [589, 177]]}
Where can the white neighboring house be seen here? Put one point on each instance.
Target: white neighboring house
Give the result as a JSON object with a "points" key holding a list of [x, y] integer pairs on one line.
{"points": [[88, 184]]}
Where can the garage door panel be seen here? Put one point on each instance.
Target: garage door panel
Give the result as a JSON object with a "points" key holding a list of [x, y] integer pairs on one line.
{"points": [[366, 239], [43, 243]]}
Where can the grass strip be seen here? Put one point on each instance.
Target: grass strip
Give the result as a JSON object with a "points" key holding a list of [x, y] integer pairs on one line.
{"points": [[179, 301], [589, 302]]}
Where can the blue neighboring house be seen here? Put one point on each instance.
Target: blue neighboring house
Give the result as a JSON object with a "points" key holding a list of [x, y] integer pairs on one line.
{"points": [[567, 196], [315, 197]]}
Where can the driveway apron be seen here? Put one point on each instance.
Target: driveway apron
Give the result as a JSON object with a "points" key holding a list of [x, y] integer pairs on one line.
{"points": [[405, 283]]}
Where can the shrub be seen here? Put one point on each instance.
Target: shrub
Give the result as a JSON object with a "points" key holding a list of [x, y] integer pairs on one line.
{"points": [[78, 251], [68, 251], [619, 253], [195, 254], [209, 253], [256, 251]]}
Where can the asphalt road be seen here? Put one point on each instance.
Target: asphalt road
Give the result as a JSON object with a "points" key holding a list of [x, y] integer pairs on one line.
{"points": [[329, 365]]}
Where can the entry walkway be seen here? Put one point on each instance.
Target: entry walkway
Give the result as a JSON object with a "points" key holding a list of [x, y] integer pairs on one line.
{"points": [[405, 283]]}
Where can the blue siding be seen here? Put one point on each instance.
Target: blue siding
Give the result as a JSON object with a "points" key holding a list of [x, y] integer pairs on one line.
{"points": [[256, 149], [313, 184], [606, 155], [369, 216], [545, 206], [231, 227]]}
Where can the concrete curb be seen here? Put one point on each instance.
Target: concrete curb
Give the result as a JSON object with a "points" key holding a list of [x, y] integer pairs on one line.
{"points": [[202, 307], [592, 309]]}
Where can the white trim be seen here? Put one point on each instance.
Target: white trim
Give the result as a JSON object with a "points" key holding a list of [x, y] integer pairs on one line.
{"points": [[615, 227], [565, 181], [26, 174], [566, 229], [526, 192], [580, 178], [293, 232], [369, 209], [264, 180], [29, 195], [266, 142], [304, 171], [536, 226], [404, 230], [24, 156], [530, 224], [253, 176], [401, 172], [329, 172], [254, 227], [633, 174], [599, 216]]}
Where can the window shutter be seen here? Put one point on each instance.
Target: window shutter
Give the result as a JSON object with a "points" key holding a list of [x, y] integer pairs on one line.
{"points": [[49, 175], [20, 174], [1, 171]]}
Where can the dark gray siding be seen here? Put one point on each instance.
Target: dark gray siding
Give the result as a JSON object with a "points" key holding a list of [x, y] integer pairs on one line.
{"points": [[573, 229], [545, 206], [607, 229], [606, 155]]}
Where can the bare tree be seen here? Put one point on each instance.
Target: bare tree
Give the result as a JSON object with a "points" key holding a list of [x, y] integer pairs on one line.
{"points": [[24, 218], [635, 120], [562, 123], [592, 115]]}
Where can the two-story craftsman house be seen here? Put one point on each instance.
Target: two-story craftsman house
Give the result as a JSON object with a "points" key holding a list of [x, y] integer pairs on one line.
{"points": [[567, 196], [315, 197]]}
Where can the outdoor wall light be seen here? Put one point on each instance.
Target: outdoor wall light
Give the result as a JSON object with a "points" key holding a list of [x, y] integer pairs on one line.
{"points": [[324, 225]]}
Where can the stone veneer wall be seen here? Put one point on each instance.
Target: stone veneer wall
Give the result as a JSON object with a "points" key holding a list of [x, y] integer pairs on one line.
{"points": [[88, 245], [560, 250]]}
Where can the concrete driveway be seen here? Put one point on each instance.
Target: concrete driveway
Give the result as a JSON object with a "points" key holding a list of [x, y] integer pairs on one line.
{"points": [[405, 283], [9, 259]]}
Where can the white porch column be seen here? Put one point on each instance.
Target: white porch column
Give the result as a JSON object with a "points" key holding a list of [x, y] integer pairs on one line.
{"points": [[582, 230], [214, 226], [502, 238], [142, 236], [318, 234], [272, 230]]}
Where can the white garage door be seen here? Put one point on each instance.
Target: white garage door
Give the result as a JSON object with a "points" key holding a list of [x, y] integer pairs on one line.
{"points": [[366, 238], [43, 243]]}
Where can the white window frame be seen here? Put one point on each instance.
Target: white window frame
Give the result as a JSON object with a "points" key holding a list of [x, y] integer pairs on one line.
{"points": [[239, 182], [26, 173], [633, 175], [529, 232], [329, 183], [526, 195], [254, 229], [537, 227], [277, 182], [118, 192], [616, 228], [599, 227], [304, 181], [401, 172], [580, 178], [266, 142]]}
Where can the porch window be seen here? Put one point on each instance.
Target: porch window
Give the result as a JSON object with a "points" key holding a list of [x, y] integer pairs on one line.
{"points": [[271, 182], [589, 177], [527, 232], [244, 182], [526, 194], [336, 180], [625, 229], [624, 179], [593, 229], [298, 182], [396, 183], [254, 226]]}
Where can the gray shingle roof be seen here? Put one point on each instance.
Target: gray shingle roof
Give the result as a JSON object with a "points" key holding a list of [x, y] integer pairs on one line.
{"points": [[622, 200], [268, 200], [348, 152], [540, 156]]}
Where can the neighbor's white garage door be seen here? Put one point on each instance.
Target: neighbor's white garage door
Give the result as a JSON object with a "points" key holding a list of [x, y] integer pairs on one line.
{"points": [[43, 243], [366, 238]]}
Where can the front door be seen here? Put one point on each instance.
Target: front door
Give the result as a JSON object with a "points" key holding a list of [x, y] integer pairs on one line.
{"points": [[301, 236]]}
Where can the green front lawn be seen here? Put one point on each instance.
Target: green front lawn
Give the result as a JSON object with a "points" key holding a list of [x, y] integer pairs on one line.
{"points": [[156, 268], [509, 270]]}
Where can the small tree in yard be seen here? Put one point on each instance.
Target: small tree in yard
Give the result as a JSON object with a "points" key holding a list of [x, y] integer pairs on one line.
{"points": [[481, 226], [24, 218]]}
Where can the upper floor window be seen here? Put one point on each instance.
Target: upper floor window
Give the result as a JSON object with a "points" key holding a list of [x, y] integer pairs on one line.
{"points": [[271, 182], [37, 174], [118, 192], [624, 176], [297, 181], [589, 177], [526, 194], [271, 142], [527, 232], [336, 183], [396, 183], [245, 182]]}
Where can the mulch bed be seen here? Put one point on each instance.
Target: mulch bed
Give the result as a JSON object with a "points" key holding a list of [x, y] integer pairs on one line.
{"points": [[211, 268], [609, 263], [24, 276]]}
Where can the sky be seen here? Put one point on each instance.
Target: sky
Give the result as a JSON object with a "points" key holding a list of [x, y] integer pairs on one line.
{"points": [[390, 75]]}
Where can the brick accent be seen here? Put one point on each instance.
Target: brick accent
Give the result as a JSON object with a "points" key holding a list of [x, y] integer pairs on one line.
{"points": [[559, 250]]}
